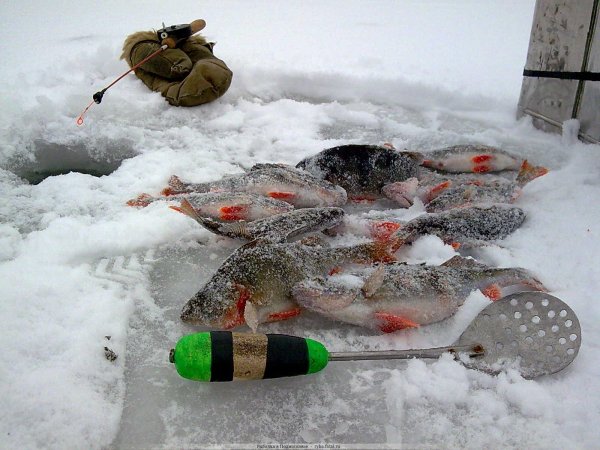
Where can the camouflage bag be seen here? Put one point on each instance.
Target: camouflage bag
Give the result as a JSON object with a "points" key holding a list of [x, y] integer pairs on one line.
{"points": [[186, 76]]}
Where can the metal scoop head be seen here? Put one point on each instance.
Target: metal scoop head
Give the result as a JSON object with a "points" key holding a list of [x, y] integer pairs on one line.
{"points": [[533, 331]]}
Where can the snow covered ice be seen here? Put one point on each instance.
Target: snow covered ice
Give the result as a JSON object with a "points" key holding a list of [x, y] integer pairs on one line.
{"points": [[77, 265]]}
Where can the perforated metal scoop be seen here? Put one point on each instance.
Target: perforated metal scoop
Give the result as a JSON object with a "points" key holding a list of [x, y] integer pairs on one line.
{"points": [[534, 332]]}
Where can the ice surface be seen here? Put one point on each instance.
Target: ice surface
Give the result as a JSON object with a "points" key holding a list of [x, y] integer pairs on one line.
{"points": [[77, 265]]}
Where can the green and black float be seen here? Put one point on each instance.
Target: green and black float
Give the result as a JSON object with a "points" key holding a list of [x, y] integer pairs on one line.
{"points": [[227, 356]]}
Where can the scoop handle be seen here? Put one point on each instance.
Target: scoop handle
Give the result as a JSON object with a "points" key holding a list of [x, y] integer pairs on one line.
{"points": [[470, 349], [227, 356]]}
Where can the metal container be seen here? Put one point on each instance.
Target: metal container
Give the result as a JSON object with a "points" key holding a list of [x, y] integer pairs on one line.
{"points": [[562, 73]]}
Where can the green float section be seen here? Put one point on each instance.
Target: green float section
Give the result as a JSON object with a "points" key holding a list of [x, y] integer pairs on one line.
{"points": [[192, 357], [318, 356]]}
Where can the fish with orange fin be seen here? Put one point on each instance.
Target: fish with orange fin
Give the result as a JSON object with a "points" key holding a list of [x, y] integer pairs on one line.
{"points": [[470, 225], [278, 228], [391, 297], [224, 206], [471, 158], [442, 191], [362, 170], [254, 284], [278, 181]]}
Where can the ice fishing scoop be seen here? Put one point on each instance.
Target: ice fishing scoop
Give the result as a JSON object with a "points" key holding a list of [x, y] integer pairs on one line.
{"points": [[534, 332]]}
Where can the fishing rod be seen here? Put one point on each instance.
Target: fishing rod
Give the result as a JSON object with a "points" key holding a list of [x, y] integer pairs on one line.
{"points": [[169, 37]]}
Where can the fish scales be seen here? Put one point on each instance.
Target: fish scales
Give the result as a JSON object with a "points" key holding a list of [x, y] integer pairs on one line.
{"points": [[463, 224], [471, 158], [361, 169], [410, 294], [276, 228], [295, 186], [260, 277]]}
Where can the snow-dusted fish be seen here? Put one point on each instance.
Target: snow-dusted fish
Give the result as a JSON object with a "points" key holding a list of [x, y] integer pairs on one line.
{"points": [[362, 170], [395, 296], [441, 191], [254, 284], [224, 206], [471, 158], [279, 181], [276, 228], [463, 225]]}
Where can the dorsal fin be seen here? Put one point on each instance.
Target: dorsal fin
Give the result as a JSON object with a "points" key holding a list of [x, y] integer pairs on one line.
{"points": [[374, 281], [459, 261]]}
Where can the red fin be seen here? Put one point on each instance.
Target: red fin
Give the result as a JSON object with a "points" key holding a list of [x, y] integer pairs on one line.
{"points": [[528, 172], [362, 198], [392, 322], [142, 200], [389, 145], [481, 158], [334, 270], [455, 245], [176, 186], [382, 231], [281, 195], [283, 315], [235, 316], [493, 292], [187, 209], [381, 251], [436, 190], [481, 168], [233, 212]]}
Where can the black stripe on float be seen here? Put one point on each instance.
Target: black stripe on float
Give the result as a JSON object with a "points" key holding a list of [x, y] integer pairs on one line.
{"points": [[286, 356], [221, 356]]}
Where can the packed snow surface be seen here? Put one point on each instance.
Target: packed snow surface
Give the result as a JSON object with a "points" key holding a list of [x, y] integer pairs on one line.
{"points": [[80, 270]]}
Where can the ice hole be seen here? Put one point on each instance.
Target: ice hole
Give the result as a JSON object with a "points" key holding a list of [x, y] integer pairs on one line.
{"points": [[573, 337], [528, 305], [51, 159], [514, 302], [523, 328], [551, 314], [535, 319], [554, 328], [568, 323], [541, 333], [563, 313], [545, 302], [562, 341], [517, 315], [570, 351], [529, 340]]}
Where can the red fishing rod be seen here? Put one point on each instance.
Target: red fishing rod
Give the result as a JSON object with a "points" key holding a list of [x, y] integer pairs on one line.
{"points": [[169, 37]]}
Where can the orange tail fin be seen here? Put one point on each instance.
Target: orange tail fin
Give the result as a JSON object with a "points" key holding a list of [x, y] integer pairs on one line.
{"points": [[529, 172], [142, 200], [176, 186], [187, 209]]}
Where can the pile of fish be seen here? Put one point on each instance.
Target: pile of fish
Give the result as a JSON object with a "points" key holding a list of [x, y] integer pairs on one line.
{"points": [[286, 216]]}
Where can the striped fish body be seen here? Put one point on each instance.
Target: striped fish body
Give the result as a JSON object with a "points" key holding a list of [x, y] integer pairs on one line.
{"points": [[394, 296]]}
